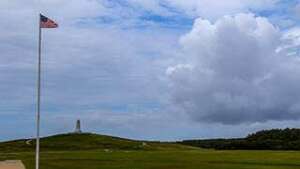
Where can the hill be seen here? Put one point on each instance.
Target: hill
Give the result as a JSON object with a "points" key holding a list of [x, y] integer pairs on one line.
{"points": [[276, 139], [86, 141]]}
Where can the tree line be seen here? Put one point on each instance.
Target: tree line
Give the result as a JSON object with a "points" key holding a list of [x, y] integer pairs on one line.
{"points": [[275, 139]]}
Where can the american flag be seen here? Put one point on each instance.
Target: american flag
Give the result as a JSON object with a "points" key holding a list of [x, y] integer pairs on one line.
{"points": [[46, 22]]}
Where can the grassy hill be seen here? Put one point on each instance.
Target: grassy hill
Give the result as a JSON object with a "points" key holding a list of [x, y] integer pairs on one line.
{"points": [[93, 151], [86, 141]]}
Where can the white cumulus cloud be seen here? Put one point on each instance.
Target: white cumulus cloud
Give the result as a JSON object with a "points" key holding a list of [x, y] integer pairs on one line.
{"points": [[236, 73]]}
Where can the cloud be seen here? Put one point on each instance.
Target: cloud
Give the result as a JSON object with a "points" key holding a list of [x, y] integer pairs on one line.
{"points": [[291, 39], [108, 59], [296, 10], [213, 8], [86, 66], [235, 73]]}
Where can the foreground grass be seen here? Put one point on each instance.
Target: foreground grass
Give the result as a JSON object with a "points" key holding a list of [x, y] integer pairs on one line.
{"points": [[183, 159]]}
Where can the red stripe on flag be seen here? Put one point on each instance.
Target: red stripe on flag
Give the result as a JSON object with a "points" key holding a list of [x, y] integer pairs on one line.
{"points": [[47, 23]]}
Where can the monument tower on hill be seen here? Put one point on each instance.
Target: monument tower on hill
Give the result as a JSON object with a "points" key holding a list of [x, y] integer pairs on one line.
{"points": [[78, 129]]}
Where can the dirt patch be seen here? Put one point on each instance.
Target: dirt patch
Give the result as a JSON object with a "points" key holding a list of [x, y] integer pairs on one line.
{"points": [[13, 164]]}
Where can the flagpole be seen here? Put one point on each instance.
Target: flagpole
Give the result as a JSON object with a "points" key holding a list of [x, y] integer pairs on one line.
{"points": [[37, 160]]}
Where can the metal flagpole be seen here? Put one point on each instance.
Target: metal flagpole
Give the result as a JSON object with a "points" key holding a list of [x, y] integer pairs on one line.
{"points": [[38, 98]]}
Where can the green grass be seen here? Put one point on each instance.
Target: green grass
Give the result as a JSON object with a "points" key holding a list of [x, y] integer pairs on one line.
{"points": [[92, 151], [184, 159], [87, 141]]}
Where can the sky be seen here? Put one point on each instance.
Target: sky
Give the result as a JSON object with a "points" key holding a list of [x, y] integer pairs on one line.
{"points": [[151, 69]]}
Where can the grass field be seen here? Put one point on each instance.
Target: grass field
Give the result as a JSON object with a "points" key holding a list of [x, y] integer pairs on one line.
{"points": [[190, 159], [93, 151]]}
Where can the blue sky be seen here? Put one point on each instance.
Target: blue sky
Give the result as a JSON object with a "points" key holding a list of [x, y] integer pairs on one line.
{"points": [[151, 69]]}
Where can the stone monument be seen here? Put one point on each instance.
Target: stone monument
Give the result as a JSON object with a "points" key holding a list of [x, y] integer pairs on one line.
{"points": [[78, 129]]}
